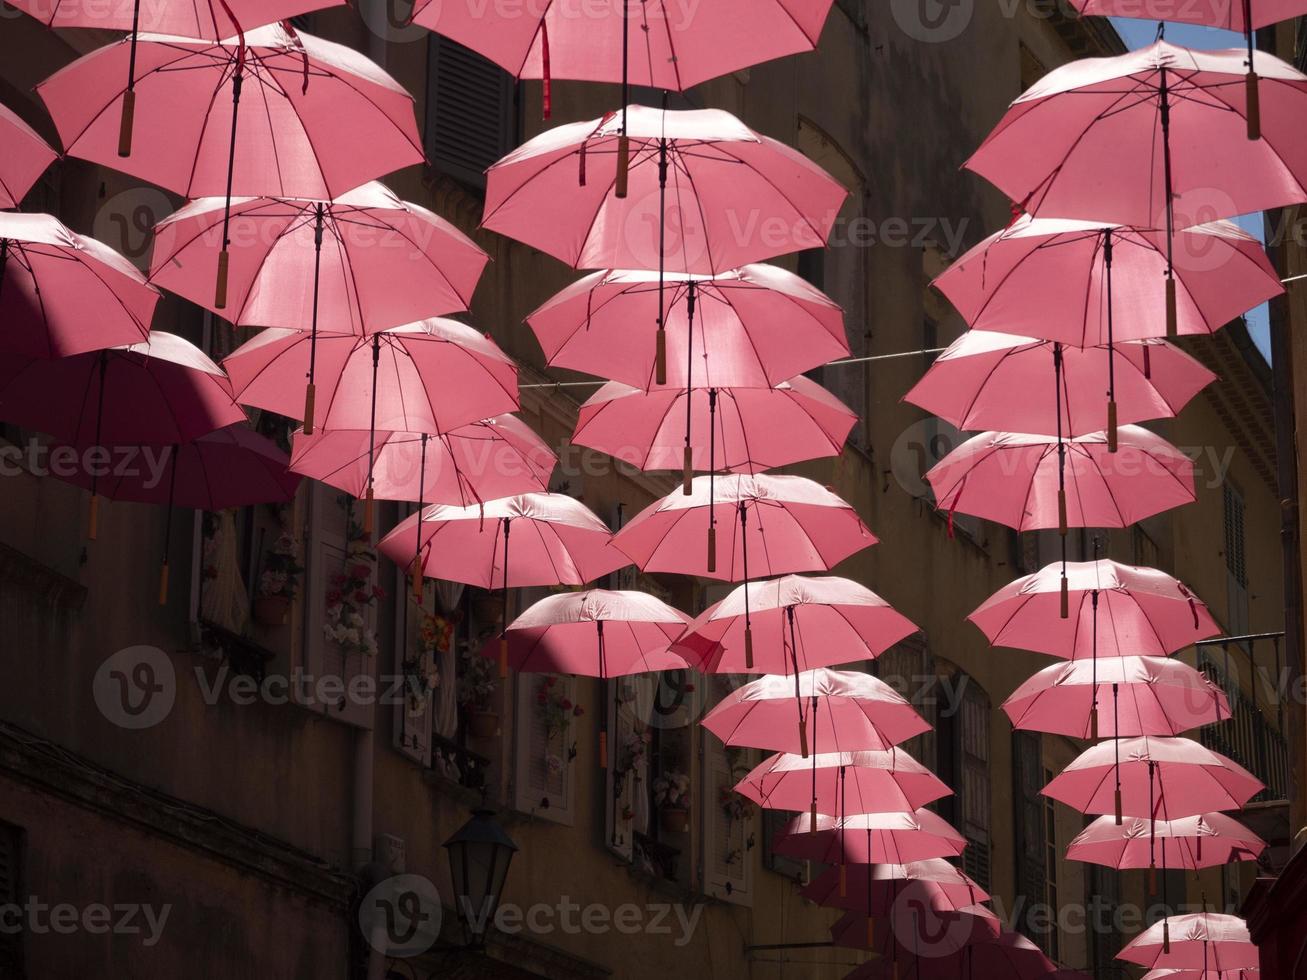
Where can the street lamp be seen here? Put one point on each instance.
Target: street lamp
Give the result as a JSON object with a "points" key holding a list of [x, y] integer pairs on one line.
{"points": [[479, 855]]}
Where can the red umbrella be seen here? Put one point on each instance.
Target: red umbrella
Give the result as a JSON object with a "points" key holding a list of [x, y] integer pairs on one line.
{"points": [[868, 838], [1147, 695], [996, 380], [737, 430], [1203, 941], [363, 262], [753, 326], [26, 157], [558, 541], [800, 622], [845, 711], [212, 19], [567, 193], [229, 467], [497, 457], [1111, 610], [324, 119], [159, 392], [944, 887], [1206, 840], [62, 293]]}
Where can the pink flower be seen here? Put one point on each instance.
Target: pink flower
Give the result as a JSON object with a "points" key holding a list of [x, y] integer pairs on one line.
{"points": [[360, 571], [540, 698], [578, 711], [567, 704]]}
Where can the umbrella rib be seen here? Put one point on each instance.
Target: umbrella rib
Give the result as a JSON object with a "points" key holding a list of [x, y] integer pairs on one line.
{"points": [[683, 159], [671, 48]]}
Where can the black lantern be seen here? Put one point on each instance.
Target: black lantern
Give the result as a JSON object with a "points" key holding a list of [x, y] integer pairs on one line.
{"points": [[479, 855]]}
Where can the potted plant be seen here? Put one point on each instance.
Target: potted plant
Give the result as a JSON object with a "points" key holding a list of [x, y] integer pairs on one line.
{"points": [[672, 797], [477, 683], [280, 582]]}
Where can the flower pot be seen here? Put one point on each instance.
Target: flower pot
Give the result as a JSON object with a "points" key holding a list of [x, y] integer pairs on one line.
{"points": [[272, 610], [482, 724], [674, 820]]}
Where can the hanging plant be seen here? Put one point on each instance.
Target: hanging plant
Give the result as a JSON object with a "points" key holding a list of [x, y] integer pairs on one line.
{"points": [[420, 671], [559, 710], [352, 591], [477, 681], [281, 565]]}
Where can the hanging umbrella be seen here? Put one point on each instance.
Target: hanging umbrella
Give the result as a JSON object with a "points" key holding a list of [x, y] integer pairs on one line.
{"points": [[553, 193], [1207, 840], [160, 392], [229, 467], [497, 457], [996, 381], [734, 430], [846, 711], [753, 326], [1199, 974], [800, 623], [790, 523], [910, 929], [866, 838], [599, 633], [1206, 941], [323, 118], [559, 541], [1120, 139], [25, 159], [1143, 695], [433, 376], [1089, 283], [1115, 611], [1008, 955], [1155, 778], [943, 887], [62, 293], [364, 262], [212, 19]]}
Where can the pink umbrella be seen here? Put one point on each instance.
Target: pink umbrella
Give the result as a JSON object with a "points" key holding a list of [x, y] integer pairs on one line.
{"points": [[792, 524], [62, 293], [229, 467], [946, 888], [844, 710], [364, 262], [212, 19], [753, 326], [1148, 696], [1008, 955], [568, 193], [1143, 612], [1155, 778], [26, 157], [739, 430], [1173, 974], [325, 118], [1062, 279], [801, 623], [1120, 139], [1201, 941], [160, 392], [1206, 840], [866, 838], [996, 381], [886, 935], [497, 457], [559, 541]]}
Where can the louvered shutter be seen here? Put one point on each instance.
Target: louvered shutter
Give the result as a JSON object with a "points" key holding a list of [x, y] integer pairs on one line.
{"points": [[11, 893], [1028, 813], [727, 853], [543, 783], [469, 111], [626, 784], [974, 758]]}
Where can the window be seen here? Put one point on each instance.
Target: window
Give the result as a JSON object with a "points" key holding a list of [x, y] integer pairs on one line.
{"points": [[1104, 896], [11, 893], [1236, 566], [1028, 826], [963, 747], [546, 749], [1032, 69], [1054, 942], [470, 116], [729, 831]]}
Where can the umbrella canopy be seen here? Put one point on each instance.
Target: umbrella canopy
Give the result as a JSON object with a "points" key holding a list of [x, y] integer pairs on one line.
{"points": [[496, 457], [1199, 941], [753, 326], [1000, 381], [1015, 479], [663, 50], [26, 157], [843, 783], [1115, 611], [1206, 840], [432, 376], [947, 932], [1053, 278], [599, 633], [322, 120], [743, 430], [212, 19], [787, 523], [838, 711], [1200, 974], [868, 838], [362, 262], [799, 623], [556, 193], [1134, 696], [1161, 778], [944, 887], [62, 293], [1008, 955]]}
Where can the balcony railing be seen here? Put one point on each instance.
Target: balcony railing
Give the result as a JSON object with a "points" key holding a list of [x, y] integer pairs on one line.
{"points": [[1252, 735]]}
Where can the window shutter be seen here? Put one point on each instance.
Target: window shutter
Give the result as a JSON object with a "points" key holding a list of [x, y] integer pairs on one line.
{"points": [[11, 893], [469, 111], [543, 770], [412, 718], [727, 841], [626, 796], [1028, 823], [975, 782]]}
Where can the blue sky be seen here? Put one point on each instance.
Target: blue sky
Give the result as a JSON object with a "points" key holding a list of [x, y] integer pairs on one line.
{"points": [[1140, 34]]}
